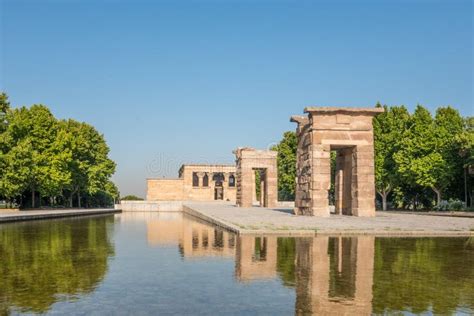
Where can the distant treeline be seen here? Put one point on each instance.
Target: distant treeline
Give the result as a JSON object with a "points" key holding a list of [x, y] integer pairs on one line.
{"points": [[421, 161], [49, 162]]}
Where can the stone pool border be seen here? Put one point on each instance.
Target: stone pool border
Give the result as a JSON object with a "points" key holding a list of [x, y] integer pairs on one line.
{"points": [[50, 214], [290, 232]]}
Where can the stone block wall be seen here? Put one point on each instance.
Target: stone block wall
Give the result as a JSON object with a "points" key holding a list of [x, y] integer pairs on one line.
{"points": [[165, 190]]}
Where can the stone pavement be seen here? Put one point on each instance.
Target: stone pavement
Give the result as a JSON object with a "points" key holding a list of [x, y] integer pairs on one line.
{"points": [[256, 220], [9, 216]]}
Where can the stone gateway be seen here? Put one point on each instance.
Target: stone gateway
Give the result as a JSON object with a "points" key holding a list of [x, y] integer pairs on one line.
{"points": [[249, 161], [348, 132]]}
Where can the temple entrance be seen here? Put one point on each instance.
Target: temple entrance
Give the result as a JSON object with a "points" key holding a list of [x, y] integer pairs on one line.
{"points": [[218, 186], [260, 197], [218, 193], [342, 179]]}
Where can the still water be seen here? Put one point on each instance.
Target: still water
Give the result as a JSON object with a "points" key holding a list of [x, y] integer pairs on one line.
{"points": [[149, 263]]}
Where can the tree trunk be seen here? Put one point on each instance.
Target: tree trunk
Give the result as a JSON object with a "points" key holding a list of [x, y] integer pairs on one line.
{"points": [[78, 199], [438, 195], [70, 200], [32, 198], [384, 194], [465, 186]]}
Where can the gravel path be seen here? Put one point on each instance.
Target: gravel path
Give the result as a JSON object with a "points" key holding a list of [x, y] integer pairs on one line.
{"points": [[282, 221]]}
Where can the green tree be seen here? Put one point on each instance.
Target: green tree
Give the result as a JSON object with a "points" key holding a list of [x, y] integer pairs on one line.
{"points": [[37, 130], [388, 129], [465, 146], [90, 166], [4, 108], [286, 160], [52, 159], [425, 155]]}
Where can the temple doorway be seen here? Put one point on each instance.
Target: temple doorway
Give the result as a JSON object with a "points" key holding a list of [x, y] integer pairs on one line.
{"points": [[218, 186]]}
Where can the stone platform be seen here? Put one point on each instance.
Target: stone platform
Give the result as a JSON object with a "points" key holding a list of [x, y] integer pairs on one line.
{"points": [[47, 214], [281, 221]]}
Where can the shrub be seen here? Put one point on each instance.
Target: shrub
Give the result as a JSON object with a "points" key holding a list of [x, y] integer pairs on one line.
{"points": [[451, 205], [442, 206], [456, 205], [131, 198]]}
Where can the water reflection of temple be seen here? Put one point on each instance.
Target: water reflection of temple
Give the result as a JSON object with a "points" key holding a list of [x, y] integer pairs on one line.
{"points": [[332, 275], [194, 238], [202, 240], [256, 258]]}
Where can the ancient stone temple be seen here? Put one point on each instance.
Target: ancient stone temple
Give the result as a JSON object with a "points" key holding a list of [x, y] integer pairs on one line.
{"points": [[195, 183], [249, 161], [349, 133]]}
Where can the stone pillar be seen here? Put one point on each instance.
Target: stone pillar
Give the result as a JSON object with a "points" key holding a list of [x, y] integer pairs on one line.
{"points": [[339, 183], [211, 185], [320, 180], [262, 189], [347, 182], [254, 187], [271, 186], [247, 187], [363, 181], [225, 185], [200, 177]]}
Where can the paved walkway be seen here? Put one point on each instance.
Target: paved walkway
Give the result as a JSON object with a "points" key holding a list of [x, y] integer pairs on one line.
{"points": [[9, 216], [258, 220]]}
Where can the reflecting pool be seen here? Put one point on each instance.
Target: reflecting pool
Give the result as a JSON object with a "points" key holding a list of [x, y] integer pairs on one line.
{"points": [[167, 263]]}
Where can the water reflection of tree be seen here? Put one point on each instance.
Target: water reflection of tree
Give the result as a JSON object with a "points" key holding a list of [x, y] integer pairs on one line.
{"points": [[410, 274], [423, 274], [41, 261], [286, 255]]}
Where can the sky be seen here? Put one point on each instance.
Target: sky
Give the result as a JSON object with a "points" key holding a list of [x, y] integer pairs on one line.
{"points": [[173, 82]]}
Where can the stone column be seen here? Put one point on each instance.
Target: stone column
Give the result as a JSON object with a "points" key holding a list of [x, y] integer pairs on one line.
{"points": [[254, 187], [363, 181], [211, 185], [271, 186], [347, 181], [246, 186], [262, 188], [339, 183], [200, 177], [225, 185], [320, 179]]}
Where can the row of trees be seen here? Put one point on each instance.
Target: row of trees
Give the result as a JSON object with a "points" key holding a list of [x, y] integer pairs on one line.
{"points": [[49, 162], [420, 159]]}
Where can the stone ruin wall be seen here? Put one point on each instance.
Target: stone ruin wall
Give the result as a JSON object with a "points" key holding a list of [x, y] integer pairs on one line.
{"points": [[303, 199]]}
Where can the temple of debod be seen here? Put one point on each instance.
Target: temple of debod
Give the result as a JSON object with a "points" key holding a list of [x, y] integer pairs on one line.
{"points": [[348, 131], [243, 197]]}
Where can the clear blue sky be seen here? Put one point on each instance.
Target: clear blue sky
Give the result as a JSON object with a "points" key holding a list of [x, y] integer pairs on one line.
{"points": [[188, 81]]}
